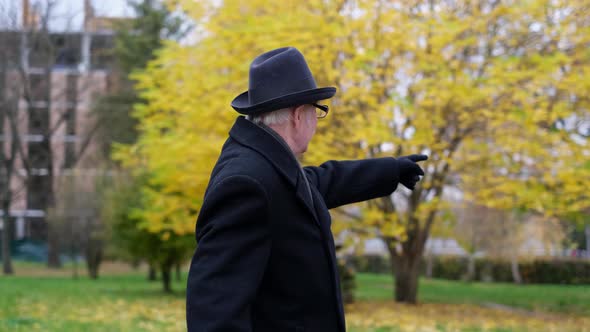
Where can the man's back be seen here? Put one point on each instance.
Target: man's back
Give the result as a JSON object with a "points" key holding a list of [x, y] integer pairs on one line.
{"points": [[265, 261]]}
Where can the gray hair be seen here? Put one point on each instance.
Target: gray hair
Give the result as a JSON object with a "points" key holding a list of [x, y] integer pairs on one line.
{"points": [[277, 117]]}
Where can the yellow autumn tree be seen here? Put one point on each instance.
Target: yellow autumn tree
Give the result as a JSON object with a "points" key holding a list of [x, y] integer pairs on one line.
{"points": [[494, 92]]}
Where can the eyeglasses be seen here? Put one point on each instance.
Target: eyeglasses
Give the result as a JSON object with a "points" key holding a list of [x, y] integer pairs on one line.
{"points": [[321, 110]]}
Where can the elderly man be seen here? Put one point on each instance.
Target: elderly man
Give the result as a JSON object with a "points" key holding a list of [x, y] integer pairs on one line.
{"points": [[265, 259]]}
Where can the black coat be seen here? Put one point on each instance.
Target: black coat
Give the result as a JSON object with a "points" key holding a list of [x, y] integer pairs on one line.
{"points": [[265, 259]]}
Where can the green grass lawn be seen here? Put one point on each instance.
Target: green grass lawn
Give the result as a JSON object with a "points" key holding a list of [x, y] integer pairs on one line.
{"points": [[112, 303], [126, 301], [555, 298]]}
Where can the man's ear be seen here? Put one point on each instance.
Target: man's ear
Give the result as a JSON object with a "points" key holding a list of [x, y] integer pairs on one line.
{"points": [[299, 115]]}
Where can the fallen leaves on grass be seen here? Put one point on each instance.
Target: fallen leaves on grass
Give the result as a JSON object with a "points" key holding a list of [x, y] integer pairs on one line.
{"points": [[168, 314], [152, 315], [365, 316]]}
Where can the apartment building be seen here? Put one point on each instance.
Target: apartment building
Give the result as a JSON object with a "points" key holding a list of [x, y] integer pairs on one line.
{"points": [[53, 79]]}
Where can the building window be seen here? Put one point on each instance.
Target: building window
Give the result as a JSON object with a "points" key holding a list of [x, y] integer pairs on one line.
{"points": [[101, 51], [39, 51], [38, 121], [56, 50], [68, 50], [39, 155], [39, 85], [11, 48]]}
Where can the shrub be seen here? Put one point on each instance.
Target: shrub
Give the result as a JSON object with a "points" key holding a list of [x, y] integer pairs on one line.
{"points": [[542, 270]]}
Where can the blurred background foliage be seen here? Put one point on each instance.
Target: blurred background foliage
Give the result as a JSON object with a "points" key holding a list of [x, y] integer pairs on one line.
{"points": [[494, 92]]}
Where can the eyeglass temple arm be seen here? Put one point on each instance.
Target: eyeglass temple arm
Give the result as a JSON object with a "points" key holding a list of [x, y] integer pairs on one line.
{"points": [[322, 107]]}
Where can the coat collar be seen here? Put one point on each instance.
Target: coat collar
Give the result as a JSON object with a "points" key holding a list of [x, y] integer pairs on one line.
{"points": [[272, 146], [251, 135]]}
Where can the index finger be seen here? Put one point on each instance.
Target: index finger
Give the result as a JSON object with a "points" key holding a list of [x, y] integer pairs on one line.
{"points": [[418, 157]]}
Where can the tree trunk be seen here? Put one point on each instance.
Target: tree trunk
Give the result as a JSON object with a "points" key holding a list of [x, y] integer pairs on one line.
{"points": [[93, 270], [75, 263], [6, 241], [53, 230], [53, 260], [515, 270], [470, 267], [178, 272], [74, 248], [406, 269], [7, 114], [152, 273], [93, 258], [167, 277]]}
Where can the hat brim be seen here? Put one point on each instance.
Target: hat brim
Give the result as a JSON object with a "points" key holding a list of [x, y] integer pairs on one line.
{"points": [[241, 103]]}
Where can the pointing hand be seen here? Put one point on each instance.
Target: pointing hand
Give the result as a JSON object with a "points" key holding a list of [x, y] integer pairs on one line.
{"points": [[409, 171]]}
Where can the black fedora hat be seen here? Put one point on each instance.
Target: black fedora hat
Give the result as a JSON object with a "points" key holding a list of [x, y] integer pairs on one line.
{"points": [[279, 79]]}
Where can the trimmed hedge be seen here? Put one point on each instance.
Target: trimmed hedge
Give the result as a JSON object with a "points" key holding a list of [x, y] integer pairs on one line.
{"points": [[536, 271], [371, 264]]}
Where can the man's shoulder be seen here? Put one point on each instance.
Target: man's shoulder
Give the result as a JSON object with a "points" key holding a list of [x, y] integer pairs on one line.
{"points": [[237, 160]]}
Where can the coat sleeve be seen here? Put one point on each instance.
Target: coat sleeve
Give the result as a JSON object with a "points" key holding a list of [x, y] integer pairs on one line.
{"points": [[233, 246], [345, 182]]}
